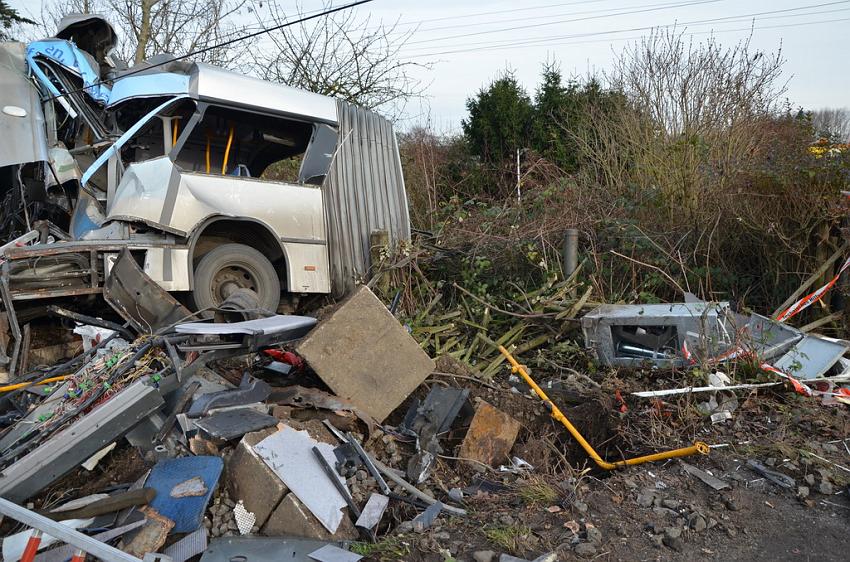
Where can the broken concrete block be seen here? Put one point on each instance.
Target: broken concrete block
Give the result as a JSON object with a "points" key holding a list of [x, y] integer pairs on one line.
{"points": [[365, 356], [294, 519], [490, 437], [251, 480]]}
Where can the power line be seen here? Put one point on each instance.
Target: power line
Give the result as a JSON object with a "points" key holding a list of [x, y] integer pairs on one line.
{"points": [[539, 17], [505, 43], [712, 31], [497, 12], [536, 25], [226, 43]]}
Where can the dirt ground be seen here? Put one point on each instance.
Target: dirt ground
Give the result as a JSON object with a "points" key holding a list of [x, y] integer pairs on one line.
{"points": [[654, 511]]}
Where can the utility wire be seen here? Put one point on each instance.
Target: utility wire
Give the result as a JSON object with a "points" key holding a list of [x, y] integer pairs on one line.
{"points": [[635, 37], [547, 17], [225, 44], [536, 25], [545, 40]]}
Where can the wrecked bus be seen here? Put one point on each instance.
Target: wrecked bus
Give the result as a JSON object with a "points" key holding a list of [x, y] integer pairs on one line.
{"points": [[214, 181]]}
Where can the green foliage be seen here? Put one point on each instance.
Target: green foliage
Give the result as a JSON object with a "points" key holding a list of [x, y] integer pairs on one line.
{"points": [[499, 120], [562, 116], [9, 17]]}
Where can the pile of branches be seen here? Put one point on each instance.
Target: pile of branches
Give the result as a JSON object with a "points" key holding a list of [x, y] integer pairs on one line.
{"points": [[470, 323]]}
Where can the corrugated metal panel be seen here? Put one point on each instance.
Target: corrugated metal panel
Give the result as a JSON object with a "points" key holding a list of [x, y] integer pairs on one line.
{"points": [[364, 192]]}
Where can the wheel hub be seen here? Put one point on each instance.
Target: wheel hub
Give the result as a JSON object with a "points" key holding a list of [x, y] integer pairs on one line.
{"points": [[229, 279]]}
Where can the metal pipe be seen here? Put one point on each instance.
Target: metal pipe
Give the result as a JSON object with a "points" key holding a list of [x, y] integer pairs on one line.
{"points": [[570, 251], [698, 447], [64, 533]]}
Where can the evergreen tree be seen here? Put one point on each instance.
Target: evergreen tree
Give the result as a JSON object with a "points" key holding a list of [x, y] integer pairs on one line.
{"points": [[9, 17], [499, 120]]}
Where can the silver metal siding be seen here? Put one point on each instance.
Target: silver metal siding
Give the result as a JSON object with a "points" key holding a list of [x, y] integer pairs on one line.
{"points": [[364, 192]]}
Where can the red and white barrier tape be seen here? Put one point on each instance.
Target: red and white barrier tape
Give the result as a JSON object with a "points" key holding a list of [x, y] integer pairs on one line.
{"points": [[811, 298]]}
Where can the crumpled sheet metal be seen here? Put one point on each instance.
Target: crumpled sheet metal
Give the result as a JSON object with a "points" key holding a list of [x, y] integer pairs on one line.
{"points": [[138, 299], [23, 138], [303, 397]]}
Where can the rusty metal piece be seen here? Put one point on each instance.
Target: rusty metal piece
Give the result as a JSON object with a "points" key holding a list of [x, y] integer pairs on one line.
{"points": [[151, 536], [490, 437], [138, 299]]}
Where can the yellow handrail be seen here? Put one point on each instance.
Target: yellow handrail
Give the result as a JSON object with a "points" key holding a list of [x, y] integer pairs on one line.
{"points": [[698, 447], [208, 152], [227, 151]]}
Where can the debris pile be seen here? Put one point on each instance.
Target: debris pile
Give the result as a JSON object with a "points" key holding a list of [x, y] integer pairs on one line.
{"points": [[173, 438]]}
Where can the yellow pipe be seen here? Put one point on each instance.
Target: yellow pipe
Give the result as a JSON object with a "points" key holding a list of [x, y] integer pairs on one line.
{"points": [[208, 152], [227, 151], [698, 447], [174, 128], [11, 387]]}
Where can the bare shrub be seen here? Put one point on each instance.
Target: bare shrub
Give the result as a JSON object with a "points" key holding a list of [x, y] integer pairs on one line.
{"points": [[714, 188], [340, 55]]}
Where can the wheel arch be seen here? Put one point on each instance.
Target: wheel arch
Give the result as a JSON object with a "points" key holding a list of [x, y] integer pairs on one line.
{"points": [[217, 230]]}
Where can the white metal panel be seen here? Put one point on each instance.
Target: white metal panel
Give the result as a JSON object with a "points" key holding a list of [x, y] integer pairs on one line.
{"points": [[158, 193], [308, 268], [169, 267], [21, 119], [214, 84]]}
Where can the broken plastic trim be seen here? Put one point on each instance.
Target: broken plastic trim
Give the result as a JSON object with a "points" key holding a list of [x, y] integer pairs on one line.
{"points": [[698, 447]]}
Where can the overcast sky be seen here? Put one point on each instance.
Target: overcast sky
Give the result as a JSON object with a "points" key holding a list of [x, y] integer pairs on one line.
{"points": [[471, 42]]}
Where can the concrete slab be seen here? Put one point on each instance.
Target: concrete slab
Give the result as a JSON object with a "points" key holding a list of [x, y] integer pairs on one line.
{"points": [[251, 480], [365, 356], [490, 437], [292, 518]]}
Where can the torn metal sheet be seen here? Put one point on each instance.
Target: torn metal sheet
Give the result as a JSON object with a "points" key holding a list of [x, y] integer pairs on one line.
{"points": [[707, 478], [427, 517], [138, 299], [250, 391], [303, 397], [65, 552], [230, 424], [667, 335], [770, 338], [810, 358], [439, 410], [191, 545], [286, 326], [331, 553], [261, 549], [778, 478], [372, 511], [289, 454], [21, 118]]}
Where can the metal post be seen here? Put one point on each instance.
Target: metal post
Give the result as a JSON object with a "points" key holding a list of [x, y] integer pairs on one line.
{"points": [[570, 251], [518, 179]]}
